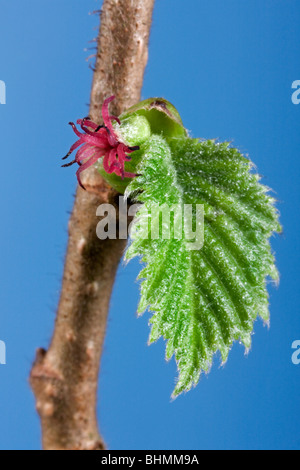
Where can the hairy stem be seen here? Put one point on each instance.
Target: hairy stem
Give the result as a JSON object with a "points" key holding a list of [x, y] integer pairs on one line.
{"points": [[64, 378]]}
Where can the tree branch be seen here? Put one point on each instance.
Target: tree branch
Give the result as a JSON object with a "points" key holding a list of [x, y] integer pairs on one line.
{"points": [[64, 378]]}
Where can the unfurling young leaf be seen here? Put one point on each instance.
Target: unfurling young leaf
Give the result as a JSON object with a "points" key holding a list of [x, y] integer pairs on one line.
{"points": [[203, 296]]}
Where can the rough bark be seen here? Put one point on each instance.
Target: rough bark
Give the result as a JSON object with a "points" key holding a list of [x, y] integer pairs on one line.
{"points": [[64, 378]]}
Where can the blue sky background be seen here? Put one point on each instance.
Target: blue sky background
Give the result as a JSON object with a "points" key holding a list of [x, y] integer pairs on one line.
{"points": [[228, 67]]}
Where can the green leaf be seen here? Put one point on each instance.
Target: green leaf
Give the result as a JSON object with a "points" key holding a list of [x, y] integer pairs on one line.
{"points": [[202, 300], [138, 123], [162, 116]]}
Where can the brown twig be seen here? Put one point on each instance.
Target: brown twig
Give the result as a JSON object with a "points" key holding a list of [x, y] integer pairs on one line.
{"points": [[64, 378]]}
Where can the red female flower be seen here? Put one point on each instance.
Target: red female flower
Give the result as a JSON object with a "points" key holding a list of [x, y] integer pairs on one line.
{"points": [[100, 141]]}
